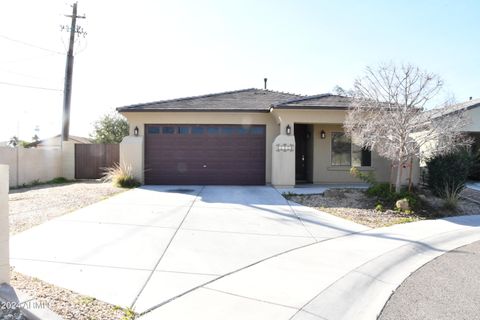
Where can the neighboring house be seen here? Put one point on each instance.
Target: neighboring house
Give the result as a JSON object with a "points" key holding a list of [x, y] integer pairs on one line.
{"points": [[56, 141], [245, 137], [473, 113]]}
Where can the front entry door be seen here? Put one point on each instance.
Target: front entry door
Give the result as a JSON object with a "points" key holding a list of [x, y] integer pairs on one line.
{"points": [[301, 132]]}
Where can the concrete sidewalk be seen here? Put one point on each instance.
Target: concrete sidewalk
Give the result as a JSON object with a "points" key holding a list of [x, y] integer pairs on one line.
{"points": [[346, 277]]}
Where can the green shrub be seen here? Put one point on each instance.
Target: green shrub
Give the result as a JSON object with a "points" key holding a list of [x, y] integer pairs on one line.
{"points": [[448, 173], [368, 177], [121, 176], [474, 172], [381, 191], [58, 180], [379, 207]]}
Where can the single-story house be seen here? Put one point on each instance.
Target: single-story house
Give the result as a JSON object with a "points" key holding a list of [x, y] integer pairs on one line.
{"points": [[55, 141], [245, 137]]}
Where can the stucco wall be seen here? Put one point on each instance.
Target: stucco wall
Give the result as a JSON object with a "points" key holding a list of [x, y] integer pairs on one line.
{"points": [[139, 119], [33, 164], [4, 232], [474, 116], [322, 171]]}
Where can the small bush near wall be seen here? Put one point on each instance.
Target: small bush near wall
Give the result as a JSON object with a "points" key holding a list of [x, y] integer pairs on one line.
{"points": [[447, 174], [121, 175]]}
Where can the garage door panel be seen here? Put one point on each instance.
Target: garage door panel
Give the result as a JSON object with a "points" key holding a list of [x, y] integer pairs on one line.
{"points": [[222, 154]]}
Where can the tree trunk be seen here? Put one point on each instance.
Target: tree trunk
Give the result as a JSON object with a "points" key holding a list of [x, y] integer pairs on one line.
{"points": [[398, 182]]}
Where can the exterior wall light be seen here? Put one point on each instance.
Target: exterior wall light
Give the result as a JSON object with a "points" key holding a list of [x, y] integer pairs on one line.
{"points": [[135, 131], [288, 130], [322, 134]]}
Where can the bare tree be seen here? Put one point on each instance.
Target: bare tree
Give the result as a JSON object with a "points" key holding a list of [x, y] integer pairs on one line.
{"points": [[389, 114]]}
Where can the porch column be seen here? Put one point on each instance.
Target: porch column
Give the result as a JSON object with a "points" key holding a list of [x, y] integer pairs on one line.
{"points": [[4, 227], [131, 153], [283, 159]]}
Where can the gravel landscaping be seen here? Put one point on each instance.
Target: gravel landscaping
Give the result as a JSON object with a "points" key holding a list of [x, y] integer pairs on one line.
{"points": [[355, 205], [66, 303], [32, 206]]}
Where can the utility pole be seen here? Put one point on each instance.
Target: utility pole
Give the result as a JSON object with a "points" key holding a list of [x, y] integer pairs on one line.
{"points": [[67, 90]]}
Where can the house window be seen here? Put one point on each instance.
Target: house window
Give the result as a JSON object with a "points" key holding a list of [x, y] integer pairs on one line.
{"points": [[346, 154]]}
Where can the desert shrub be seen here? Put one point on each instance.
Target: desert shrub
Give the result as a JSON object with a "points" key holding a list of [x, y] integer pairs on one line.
{"points": [[452, 194], [383, 192], [368, 177], [448, 173], [120, 175]]}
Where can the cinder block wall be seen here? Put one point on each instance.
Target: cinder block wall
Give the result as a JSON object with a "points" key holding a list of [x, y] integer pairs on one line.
{"points": [[28, 165], [4, 229]]}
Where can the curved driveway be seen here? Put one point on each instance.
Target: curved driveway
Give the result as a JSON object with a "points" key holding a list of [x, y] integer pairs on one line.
{"points": [[230, 253]]}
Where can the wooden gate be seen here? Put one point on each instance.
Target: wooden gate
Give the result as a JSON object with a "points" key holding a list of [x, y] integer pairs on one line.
{"points": [[92, 159]]}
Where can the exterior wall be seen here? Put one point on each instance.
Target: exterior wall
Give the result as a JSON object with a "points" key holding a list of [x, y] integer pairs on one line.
{"points": [[280, 165], [474, 115], [28, 165], [132, 153], [68, 160], [4, 232], [139, 119], [283, 172], [324, 172]]}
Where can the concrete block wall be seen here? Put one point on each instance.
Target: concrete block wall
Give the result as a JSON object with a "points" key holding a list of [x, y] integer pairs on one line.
{"points": [[4, 229], [28, 165]]}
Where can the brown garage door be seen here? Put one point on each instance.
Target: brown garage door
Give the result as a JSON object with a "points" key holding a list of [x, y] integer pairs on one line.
{"points": [[205, 154]]}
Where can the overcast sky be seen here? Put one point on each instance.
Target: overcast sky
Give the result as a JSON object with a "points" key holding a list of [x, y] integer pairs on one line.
{"points": [[140, 51]]}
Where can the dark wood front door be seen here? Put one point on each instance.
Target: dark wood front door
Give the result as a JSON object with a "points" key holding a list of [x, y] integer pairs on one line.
{"points": [[205, 154], [301, 131]]}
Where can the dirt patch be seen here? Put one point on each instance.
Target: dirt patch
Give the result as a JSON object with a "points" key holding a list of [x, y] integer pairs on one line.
{"points": [[32, 206], [355, 205]]}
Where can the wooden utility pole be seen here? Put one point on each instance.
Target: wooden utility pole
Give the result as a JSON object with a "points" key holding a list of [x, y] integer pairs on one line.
{"points": [[67, 90]]}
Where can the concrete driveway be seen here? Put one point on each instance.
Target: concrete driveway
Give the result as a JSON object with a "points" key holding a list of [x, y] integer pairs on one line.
{"points": [[147, 246], [230, 253]]}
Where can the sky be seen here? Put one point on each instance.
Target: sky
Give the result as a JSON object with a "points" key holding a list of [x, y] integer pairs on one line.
{"points": [[148, 50]]}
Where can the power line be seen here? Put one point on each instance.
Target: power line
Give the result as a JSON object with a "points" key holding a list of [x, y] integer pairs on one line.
{"points": [[30, 45], [27, 86]]}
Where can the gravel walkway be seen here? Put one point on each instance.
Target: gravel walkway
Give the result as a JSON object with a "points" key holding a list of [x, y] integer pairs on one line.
{"points": [[32, 206], [444, 289]]}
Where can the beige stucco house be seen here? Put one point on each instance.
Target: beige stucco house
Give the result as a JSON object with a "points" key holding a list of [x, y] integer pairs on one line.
{"points": [[245, 137]]}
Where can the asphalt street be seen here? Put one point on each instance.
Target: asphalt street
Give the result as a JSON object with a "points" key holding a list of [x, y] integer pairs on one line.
{"points": [[445, 288]]}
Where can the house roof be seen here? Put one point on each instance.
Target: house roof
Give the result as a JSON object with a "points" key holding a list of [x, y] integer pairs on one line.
{"points": [[51, 140], [247, 100], [466, 105], [443, 111], [320, 101]]}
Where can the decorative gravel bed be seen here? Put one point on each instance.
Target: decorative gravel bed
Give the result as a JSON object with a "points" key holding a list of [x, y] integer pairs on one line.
{"points": [[355, 205], [32, 206], [66, 303]]}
